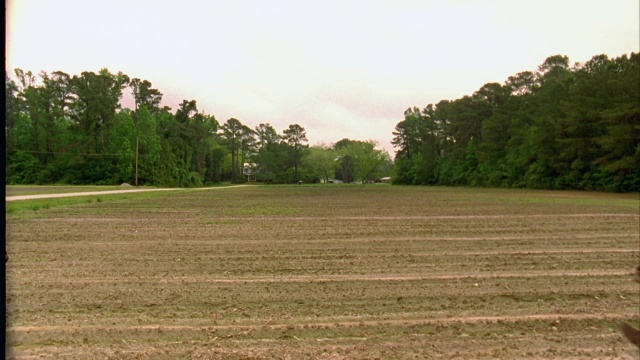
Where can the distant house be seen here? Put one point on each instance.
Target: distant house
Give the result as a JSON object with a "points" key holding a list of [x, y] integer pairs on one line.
{"points": [[250, 171], [385, 180], [331, 181]]}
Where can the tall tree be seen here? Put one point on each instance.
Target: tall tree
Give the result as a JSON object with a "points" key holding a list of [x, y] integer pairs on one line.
{"points": [[558, 127], [12, 109], [270, 153], [266, 135], [232, 132], [123, 143], [407, 134], [145, 95], [294, 136], [98, 98], [321, 160], [56, 96], [247, 144], [149, 145], [344, 170], [366, 160]]}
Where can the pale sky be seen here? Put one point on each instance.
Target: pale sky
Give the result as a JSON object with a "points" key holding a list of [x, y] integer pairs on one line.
{"points": [[341, 69]]}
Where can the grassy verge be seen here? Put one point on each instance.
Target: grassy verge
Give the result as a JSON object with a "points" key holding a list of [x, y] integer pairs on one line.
{"points": [[17, 190]]}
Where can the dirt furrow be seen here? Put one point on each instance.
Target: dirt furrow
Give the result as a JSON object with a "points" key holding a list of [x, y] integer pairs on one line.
{"points": [[346, 278], [333, 324]]}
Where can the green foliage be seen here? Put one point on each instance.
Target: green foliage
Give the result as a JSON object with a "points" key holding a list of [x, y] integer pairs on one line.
{"points": [[123, 143], [556, 128], [320, 162], [294, 136], [24, 168], [148, 146], [366, 163], [232, 132], [72, 129]]}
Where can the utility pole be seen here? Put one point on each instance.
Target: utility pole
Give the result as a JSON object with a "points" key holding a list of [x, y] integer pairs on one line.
{"points": [[137, 161]]}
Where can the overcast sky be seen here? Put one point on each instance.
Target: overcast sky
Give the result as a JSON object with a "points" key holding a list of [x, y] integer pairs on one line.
{"points": [[341, 69]]}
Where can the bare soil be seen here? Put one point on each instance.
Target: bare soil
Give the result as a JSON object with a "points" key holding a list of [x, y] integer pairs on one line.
{"points": [[331, 272]]}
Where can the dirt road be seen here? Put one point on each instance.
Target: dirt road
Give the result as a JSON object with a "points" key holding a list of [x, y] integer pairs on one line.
{"points": [[91, 193]]}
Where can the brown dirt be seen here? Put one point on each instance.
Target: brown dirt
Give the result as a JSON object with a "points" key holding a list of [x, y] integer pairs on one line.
{"points": [[337, 323], [326, 273]]}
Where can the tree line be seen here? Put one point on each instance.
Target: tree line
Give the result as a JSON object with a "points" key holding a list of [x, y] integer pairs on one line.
{"points": [[73, 129], [559, 127]]}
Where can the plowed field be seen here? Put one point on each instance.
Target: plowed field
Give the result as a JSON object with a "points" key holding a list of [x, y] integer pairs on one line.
{"points": [[326, 272]]}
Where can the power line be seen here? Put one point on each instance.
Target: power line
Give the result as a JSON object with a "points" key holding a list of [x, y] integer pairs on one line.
{"points": [[63, 153]]}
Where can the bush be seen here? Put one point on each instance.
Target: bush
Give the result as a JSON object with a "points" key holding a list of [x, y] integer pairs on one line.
{"points": [[23, 168]]}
